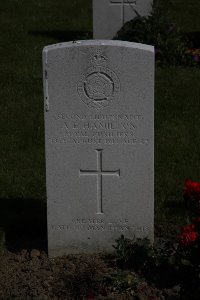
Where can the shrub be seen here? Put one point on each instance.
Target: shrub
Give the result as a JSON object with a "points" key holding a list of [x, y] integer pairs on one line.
{"points": [[158, 31], [169, 264], [133, 253]]}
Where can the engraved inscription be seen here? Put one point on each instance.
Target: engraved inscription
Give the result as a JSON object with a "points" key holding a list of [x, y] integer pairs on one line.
{"points": [[123, 2], [99, 85], [99, 173], [99, 129], [92, 224]]}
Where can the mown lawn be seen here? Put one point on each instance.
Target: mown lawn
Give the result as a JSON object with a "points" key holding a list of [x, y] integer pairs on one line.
{"points": [[185, 14], [177, 137], [26, 27]]}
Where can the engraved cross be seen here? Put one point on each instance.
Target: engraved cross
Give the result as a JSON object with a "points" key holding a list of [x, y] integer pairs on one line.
{"points": [[123, 3], [99, 173]]}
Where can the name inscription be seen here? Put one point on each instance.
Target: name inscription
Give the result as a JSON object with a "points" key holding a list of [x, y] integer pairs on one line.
{"points": [[98, 129]]}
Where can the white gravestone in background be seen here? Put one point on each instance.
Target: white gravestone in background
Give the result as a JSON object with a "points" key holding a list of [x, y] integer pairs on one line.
{"points": [[99, 104], [110, 15]]}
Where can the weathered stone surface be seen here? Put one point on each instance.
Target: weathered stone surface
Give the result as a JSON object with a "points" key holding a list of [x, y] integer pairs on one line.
{"points": [[99, 105], [110, 15]]}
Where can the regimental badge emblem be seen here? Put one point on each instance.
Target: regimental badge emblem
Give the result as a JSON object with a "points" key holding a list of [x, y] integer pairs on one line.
{"points": [[99, 86]]}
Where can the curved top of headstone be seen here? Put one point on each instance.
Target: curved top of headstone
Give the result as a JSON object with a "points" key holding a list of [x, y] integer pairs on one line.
{"points": [[138, 46]]}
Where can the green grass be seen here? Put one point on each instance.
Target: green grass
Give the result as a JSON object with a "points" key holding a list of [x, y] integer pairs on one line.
{"points": [[185, 14], [177, 135], [26, 27]]}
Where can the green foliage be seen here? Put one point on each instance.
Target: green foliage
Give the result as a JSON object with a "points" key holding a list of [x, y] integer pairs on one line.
{"points": [[139, 253], [133, 253], [134, 285], [157, 30], [164, 265], [123, 280], [189, 274]]}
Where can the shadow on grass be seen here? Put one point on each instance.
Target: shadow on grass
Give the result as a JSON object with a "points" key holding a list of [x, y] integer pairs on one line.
{"points": [[62, 35], [24, 222]]}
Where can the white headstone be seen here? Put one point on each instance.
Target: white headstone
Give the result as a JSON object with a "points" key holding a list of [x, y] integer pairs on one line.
{"points": [[99, 106], [110, 15]]}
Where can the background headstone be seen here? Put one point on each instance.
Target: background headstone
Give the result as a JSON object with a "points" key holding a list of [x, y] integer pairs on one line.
{"points": [[110, 15], [99, 105]]}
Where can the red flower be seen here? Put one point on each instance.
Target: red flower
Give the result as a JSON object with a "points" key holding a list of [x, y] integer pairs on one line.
{"points": [[188, 236], [192, 189], [187, 228]]}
